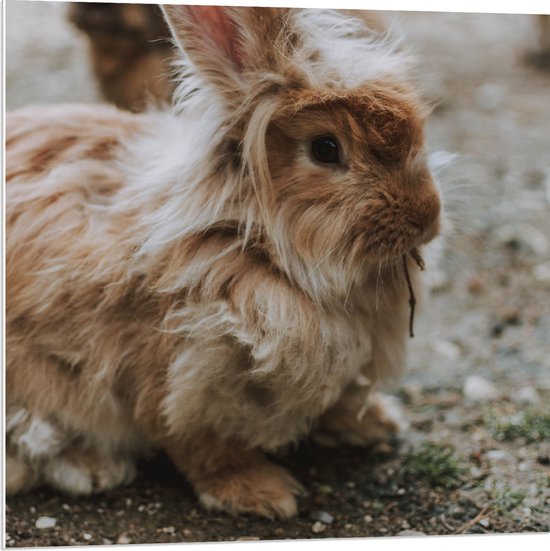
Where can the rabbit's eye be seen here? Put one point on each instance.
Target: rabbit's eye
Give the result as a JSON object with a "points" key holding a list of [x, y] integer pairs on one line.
{"points": [[325, 149]]}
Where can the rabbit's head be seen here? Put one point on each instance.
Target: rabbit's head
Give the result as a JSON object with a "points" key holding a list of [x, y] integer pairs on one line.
{"points": [[324, 130]]}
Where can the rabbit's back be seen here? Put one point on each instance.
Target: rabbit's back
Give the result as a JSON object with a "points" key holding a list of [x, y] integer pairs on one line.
{"points": [[64, 245]]}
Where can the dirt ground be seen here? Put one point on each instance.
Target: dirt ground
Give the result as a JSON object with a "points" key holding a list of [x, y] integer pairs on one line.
{"points": [[476, 456]]}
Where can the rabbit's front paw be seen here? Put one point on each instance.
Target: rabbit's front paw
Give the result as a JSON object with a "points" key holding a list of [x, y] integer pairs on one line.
{"points": [[376, 425], [262, 489]]}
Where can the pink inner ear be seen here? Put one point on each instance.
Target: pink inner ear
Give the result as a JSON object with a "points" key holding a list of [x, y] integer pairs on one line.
{"points": [[220, 29]]}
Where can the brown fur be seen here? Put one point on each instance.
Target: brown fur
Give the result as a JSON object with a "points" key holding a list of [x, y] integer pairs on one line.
{"points": [[217, 309]]}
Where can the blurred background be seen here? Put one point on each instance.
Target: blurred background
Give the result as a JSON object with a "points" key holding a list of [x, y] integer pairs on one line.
{"points": [[478, 382]]}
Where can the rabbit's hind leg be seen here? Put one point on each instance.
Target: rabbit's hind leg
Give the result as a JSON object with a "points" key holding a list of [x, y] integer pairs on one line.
{"points": [[361, 419], [81, 471], [40, 451]]}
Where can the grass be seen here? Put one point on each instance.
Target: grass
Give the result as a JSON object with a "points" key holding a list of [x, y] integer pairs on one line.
{"points": [[437, 465], [530, 425], [507, 499]]}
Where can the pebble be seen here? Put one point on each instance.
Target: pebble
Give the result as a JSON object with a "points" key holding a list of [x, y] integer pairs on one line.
{"points": [[45, 522], [410, 533], [541, 272], [168, 529], [448, 349], [187, 532], [107, 541], [123, 539], [324, 517], [497, 455], [526, 395], [87, 536], [478, 389], [485, 522], [367, 518], [490, 96], [318, 527]]}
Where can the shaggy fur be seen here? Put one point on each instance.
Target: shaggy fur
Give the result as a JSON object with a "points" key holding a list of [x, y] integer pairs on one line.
{"points": [[195, 280]]}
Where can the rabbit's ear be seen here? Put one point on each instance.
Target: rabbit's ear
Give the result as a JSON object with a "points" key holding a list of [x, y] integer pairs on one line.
{"points": [[222, 42], [210, 38]]}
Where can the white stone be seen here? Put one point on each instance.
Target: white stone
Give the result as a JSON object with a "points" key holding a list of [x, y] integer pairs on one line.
{"points": [[497, 455], [45, 522], [410, 533], [490, 96], [448, 349], [541, 272], [318, 527], [526, 395], [123, 539], [478, 389]]}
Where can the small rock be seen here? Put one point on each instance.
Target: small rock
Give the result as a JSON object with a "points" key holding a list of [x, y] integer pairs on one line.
{"points": [[45, 522], [448, 349], [489, 96], [107, 541], [87, 536], [497, 455], [478, 389], [123, 539], [541, 272], [526, 395], [405, 525], [410, 533], [32, 510], [475, 285], [485, 522], [367, 518], [324, 517], [456, 511], [168, 529], [187, 532], [533, 238], [318, 527], [66, 507]]}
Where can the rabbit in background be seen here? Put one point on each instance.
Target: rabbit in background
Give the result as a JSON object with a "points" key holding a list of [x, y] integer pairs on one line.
{"points": [[223, 278]]}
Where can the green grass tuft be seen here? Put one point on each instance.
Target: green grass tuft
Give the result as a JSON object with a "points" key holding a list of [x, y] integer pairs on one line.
{"points": [[437, 465], [507, 499], [532, 426]]}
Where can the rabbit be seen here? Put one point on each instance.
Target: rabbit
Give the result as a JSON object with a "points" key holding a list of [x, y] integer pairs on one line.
{"points": [[220, 279]]}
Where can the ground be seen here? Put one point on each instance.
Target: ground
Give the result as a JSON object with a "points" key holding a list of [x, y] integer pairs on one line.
{"points": [[476, 456]]}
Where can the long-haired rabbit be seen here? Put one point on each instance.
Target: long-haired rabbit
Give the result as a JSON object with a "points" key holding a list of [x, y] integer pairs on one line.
{"points": [[216, 280]]}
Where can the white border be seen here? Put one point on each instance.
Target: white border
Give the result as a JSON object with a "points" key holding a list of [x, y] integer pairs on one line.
{"points": [[502, 542]]}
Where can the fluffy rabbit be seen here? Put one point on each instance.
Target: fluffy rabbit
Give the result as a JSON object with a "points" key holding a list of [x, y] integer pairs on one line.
{"points": [[218, 280]]}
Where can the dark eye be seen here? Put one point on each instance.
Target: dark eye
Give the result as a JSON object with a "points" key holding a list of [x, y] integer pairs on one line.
{"points": [[325, 149]]}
